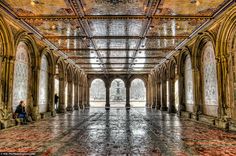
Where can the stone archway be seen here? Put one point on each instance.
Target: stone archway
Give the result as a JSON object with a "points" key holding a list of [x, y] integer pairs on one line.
{"points": [[209, 80], [21, 75], [97, 93], [173, 88], [60, 76], [137, 93], [117, 93]]}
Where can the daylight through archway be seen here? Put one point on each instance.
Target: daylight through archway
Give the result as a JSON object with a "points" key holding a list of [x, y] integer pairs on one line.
{"points": [[97, 93], [137, 93], [117, 93]]}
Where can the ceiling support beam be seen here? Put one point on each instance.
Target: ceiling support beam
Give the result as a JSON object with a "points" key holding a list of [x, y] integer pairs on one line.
{"points": [[117, 37], [115, 17]]}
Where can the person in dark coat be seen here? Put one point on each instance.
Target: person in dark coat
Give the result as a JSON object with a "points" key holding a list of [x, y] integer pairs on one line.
{"points": [[56, 98], [21, 113]]}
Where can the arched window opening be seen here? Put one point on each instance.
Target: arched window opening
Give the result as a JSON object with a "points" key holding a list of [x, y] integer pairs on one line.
{"points": [[209, 77], [66, 94], [97, 93], [21, 74], [137, 93], [167, 93], [43, 85], [188, 84], [176, 89], [117, 93], [56, 88]]}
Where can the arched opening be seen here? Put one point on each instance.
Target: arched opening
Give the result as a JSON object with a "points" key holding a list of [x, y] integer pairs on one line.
{"points": [[56, 88], [66, 94], [59, 81], [137, 93], [188, 84], [117, 93], [231, 82], [43, 85], [21, 74], [176, 89], [97, 94], [209, 80]]}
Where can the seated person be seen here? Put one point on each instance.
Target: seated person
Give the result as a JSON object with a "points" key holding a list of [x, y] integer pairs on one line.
{"points": [[21, 113]]}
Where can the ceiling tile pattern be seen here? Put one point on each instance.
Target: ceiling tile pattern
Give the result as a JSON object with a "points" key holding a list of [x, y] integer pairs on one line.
{"points": [[115, 36]]}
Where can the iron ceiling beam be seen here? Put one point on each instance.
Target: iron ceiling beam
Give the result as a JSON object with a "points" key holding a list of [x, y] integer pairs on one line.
{"points": [[114, 49], [114, 17], [117, 37], [116, 63], [79, 57]]}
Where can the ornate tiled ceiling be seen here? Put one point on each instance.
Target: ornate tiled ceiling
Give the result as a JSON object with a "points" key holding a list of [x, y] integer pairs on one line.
{"points": [[115, 36]]}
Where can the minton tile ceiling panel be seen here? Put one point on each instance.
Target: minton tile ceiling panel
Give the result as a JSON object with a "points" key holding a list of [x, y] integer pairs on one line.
{"points": [[115, 7], [189, 7], [40, 7], [116, 27], [174, 27], [57, 27], [116, 43]]}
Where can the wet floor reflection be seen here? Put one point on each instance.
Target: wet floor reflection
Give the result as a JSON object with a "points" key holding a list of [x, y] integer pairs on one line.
{"points": [[139, 131]]}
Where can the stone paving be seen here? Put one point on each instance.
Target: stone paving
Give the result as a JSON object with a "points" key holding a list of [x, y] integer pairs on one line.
{"points": [[139, 131]]}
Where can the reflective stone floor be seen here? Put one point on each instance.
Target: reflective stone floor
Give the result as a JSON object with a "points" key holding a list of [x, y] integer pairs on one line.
{"points": [[139, 131]]}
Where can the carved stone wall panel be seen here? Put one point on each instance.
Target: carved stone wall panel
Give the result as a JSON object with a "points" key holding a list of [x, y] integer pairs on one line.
{"points": [[1, 45], [209, 77], [43, 85], [232, 91], [188, 81], [21, 74]]}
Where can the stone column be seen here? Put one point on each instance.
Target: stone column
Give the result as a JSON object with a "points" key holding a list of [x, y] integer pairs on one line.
{"points": [[69, 96], [51, 87], [61, 107], [127, 86], [76, 96], [171, 107], [163, 97], [198, 109], [150, 94], [158, 94], [107, 106], [154, 94], [88, 96], [80, 95], [83, 96], [182, 105]]}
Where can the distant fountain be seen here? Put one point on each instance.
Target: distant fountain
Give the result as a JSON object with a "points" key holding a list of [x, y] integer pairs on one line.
{"points": [[118, 96]]}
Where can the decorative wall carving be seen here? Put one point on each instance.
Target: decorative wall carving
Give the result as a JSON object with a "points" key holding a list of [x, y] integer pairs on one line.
{"points": [[188, 81], [21, 74], [43, 85], [210, 90]]}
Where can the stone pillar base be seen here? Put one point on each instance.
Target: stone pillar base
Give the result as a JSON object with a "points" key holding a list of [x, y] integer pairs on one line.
{"points": [[69, 109], [76, 107], [222, 124], [164, 108], [171, 109], [158, 107], [53, 113], [61, 110], [107, 108]]}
